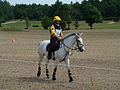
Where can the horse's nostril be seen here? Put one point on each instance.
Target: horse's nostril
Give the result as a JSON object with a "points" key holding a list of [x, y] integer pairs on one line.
{"points": [[81, 50]]}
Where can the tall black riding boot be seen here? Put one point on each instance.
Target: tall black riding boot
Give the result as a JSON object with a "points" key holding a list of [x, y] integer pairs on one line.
{"points": [[53, 55], [49, 54]]}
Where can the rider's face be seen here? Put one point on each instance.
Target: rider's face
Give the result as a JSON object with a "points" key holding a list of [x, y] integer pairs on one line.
{"points": [[57, 22]]}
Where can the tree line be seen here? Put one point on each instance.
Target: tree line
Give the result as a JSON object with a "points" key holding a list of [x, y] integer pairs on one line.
{"points": [[92, 11]]}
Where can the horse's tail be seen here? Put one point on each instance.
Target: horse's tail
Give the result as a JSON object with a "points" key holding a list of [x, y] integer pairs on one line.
{"points": [[39, 48], [41, 54]]}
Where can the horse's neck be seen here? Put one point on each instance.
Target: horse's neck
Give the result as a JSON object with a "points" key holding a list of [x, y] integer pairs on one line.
{"points": [[69, 42]]}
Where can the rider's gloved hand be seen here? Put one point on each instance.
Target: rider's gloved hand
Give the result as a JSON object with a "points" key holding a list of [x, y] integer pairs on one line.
{"points": [[60, 38]]}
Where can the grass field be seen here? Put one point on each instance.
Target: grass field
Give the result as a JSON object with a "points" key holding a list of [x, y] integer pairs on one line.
{"points": [[20, 26], [105, 25]]}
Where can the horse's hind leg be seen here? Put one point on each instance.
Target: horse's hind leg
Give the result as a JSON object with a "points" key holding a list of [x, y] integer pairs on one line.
{"points": [[39, 63], [47, 71]]}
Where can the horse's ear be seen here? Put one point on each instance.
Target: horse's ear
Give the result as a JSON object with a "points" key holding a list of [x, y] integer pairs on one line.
{"points": [[81, 34]]}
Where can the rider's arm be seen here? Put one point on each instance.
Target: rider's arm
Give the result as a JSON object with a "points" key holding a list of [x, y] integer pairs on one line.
{"points": [[61, 35], [59, 38], [52, 31]]}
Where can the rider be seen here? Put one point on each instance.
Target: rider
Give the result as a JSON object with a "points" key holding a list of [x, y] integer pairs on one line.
{"points": [[55, 33]]}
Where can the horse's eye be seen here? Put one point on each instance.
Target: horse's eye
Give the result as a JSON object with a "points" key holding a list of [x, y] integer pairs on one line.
{"points": [[78, 41]]}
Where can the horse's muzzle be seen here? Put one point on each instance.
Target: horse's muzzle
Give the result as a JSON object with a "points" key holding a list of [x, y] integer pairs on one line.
{"points": [[81, 50]]}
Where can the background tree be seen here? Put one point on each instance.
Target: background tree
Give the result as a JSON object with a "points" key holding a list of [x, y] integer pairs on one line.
{"points": [[46, 22], [109, 9], [21, 11], [1, 20], [64, 12], [63, 25], [27, 22], [76, 13], [91, 15], [6, 11], [54, 9], [68, 21], [76, 24]]}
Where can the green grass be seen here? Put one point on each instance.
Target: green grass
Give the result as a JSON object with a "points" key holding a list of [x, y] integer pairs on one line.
{"points": [[20, 26], [105, 25], [82, 26]]}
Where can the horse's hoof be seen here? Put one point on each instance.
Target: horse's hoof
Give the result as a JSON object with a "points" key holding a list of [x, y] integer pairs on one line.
{"points": [[38, 74], [53, 78], [48, 77], [54, 58], [71, 80]]}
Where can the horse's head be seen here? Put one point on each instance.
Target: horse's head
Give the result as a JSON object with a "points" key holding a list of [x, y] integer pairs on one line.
{"points": [[79, 41]]}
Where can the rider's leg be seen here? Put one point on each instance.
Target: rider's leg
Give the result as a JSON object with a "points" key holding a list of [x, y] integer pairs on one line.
{"points": [[52, 43], [49, 54]]}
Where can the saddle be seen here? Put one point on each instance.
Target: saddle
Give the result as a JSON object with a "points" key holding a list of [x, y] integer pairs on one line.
{"points": [[51, 50]]}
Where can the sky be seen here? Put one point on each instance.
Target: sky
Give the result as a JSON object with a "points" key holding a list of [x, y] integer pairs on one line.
{"points": [[49, 2]]}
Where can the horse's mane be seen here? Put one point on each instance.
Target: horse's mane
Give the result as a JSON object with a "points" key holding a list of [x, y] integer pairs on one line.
{"points": [[71, 34]]}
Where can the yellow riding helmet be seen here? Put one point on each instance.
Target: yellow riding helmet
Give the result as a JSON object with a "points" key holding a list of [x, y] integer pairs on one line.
{"points": [[57, 18]]}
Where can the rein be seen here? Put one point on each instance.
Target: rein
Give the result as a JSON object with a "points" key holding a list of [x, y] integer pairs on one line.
{"points": [[68, 47], [67, 52]]}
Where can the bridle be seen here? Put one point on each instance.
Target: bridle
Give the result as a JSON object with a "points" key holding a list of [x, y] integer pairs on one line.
{"points": [[72, 49], [75, 48]]}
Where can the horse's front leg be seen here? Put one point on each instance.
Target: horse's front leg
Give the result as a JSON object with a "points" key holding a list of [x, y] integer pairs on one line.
{"points": [[39, 71], [55, 70], [67, 62]]}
